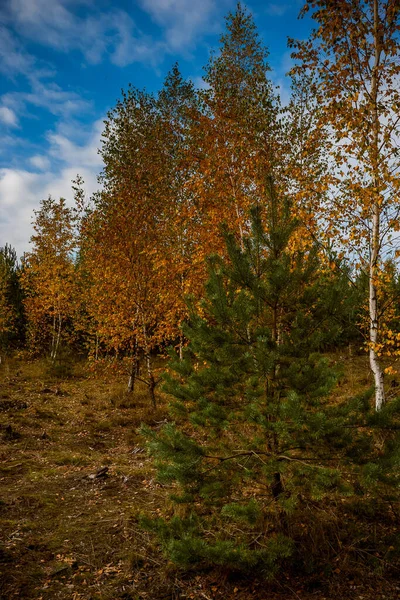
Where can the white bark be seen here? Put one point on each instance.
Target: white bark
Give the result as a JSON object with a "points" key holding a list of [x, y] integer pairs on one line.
{"points": [[58, 337], [181, 347], [375, 237], [373, 338]]}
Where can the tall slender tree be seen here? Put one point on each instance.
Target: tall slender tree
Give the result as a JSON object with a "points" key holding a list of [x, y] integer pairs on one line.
{"points": [[176, 255], [238, 134], [355, 52], [306, 144], [126, 227], [49, 276]]}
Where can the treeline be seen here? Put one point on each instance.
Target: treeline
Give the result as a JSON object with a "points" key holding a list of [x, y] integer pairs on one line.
{"points": [[111, 276]]}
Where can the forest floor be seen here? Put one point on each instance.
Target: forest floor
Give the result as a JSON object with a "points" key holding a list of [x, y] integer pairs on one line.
{"points": [[67, 534]]}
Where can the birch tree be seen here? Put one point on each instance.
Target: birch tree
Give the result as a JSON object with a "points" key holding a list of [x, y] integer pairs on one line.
{"points": [[49, 276], [355, 54], [180, 270], [238, 134], [124, 231]]}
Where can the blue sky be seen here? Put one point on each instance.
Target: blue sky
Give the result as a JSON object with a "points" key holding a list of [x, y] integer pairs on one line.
{"points": [[63, 64]]}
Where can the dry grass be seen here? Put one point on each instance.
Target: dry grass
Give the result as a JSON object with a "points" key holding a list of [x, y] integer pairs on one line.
{"points": [[66, 536]]}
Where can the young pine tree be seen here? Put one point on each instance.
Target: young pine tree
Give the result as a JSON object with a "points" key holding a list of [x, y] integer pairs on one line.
{"points": [[253, 427]]}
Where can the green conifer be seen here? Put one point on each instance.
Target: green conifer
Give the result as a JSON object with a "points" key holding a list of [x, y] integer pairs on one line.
{"points": [[256, 436]]}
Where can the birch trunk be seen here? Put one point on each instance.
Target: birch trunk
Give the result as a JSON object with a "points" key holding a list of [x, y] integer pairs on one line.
{"points": [[58, 337], [373, 338], [375, 234], [132, 377], [181, 347]]}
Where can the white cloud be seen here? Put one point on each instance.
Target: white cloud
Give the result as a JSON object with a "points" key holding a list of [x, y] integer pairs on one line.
{"points": [[136, 48], [287, 62], [183, 20], [199, 83], [21, 192], [276, 10], [8, 116], [40, 162], [59, 185], [280, 79], [49, 96], [98, 33], [51, 23], [284, 90], [56, 100], [21, 189], [94, 33], [66, 150], [17, 201], [13, 59]]}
